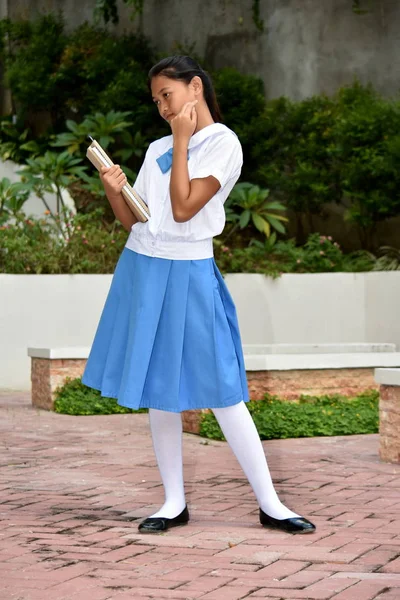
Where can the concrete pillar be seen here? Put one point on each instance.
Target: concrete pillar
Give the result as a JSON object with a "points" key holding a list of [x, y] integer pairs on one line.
{"points": [[389, 414]]}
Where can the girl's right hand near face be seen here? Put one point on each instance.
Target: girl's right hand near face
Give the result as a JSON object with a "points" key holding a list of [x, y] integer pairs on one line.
{"points": [[113, 179], [184, 124]]}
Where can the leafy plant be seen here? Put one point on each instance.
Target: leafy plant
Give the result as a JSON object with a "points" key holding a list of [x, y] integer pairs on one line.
{"points": [[367, 150], [51, 173], [103, 128], [388, 259], [75, 398], [99, 71], [320, 254], [307, 417], [242, 101], [31, 57], [255, 208], [12, 199], [35, 246], [17, 144], [291, 154], [60, 75]]}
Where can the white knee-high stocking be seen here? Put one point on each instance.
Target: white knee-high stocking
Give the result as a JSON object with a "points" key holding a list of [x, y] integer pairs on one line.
{"points": [[166, 431], [242, 436]]}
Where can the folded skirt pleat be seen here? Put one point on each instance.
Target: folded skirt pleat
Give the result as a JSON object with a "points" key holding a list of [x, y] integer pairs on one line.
{"points": [[168, 337]]}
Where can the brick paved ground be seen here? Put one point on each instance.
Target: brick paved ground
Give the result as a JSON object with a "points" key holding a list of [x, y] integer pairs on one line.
{"points": [[73, 488]]}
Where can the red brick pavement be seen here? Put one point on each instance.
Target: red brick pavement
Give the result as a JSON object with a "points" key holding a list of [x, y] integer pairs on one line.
{"points": [[72, 490]]}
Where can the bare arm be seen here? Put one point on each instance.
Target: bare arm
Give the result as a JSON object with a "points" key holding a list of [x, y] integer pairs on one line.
{"points": [[114, 179], [187, 196]]}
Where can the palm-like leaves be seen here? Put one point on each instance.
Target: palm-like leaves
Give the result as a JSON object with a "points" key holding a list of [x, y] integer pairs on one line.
{"points": [[51, 172], [102, 127], [255, 208], [15, 144], [388, 260], [51, 169], [12, 198]]}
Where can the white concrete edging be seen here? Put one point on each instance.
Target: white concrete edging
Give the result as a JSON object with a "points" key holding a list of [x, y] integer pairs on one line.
{"points": [[387, 376], [260, 362]]}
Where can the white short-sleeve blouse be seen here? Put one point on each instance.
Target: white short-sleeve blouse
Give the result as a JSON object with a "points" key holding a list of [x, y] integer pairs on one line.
{"points": [[214, 150]]}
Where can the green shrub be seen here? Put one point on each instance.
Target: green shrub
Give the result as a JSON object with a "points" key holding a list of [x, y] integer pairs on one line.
{"points": [[242, 102], [99, 71], [12, 198], [274, 418], [35, 246], [74, 74], [75, 398], [90, 244], [241, 98], [308, 417], [320, 254], [31, 60], [18, 144], [248, 205], [343, 149], [367, 152], [291, 153], [90, 69]]}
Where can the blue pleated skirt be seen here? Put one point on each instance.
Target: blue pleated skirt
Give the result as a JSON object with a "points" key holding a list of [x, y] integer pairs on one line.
{"points": [[168, 337]]}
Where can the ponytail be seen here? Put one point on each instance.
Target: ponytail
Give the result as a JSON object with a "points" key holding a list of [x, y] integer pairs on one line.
{"points": [[211, 98]]}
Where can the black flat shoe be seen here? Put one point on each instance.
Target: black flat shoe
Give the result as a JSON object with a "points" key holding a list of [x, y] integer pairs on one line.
{"points": [[160, 524], [293, 525]]}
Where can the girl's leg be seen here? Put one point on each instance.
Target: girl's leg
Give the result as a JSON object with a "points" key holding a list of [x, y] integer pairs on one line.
{"points": [[166, 431], [242, 436]]}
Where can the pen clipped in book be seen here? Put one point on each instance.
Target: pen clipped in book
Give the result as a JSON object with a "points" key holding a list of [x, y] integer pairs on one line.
{"points": [[99, 158]]}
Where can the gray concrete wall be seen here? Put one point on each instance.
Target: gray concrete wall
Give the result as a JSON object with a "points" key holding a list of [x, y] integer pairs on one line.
{"points": [[307, 47]]}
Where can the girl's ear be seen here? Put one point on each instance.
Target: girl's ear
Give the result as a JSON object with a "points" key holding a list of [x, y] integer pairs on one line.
{"points": [[197, 85]]}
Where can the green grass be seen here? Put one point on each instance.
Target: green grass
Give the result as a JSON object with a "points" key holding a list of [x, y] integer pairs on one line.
{"points": [[75, 398], [274, 418], [307, 417]]}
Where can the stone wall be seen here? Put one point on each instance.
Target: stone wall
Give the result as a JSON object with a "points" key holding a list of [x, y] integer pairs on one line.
{"points": [[389, 423], [47, 375], [289, 385]]}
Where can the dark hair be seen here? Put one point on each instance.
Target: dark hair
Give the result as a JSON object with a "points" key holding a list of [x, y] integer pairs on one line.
{"points": [[184, 68]]}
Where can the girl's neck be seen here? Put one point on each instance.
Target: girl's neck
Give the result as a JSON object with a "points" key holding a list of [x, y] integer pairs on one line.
{"points": [[204, 117]]}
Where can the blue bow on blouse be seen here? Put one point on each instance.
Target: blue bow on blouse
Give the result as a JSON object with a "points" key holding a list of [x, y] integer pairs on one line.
{"points": [[165, 160]]}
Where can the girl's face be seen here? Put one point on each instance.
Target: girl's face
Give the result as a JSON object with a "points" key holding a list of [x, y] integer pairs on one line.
{"points": [[170, 95]]}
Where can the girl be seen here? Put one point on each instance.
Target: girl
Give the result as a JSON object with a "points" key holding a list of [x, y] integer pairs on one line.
{"points": [[168, 338]]}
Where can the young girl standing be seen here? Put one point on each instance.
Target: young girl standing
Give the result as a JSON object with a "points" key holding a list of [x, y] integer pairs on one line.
{"points": [[168, 338]]}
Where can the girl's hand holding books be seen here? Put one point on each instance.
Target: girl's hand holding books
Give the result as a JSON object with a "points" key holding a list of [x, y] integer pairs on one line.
{"points": [[113, 179]]}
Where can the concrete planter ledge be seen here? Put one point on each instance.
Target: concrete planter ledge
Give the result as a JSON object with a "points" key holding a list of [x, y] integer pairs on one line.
{"points": [[59, 353], [389, 414], [285, 370], [346, 360], [388, 376], [279, 357], [317, 348]]}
